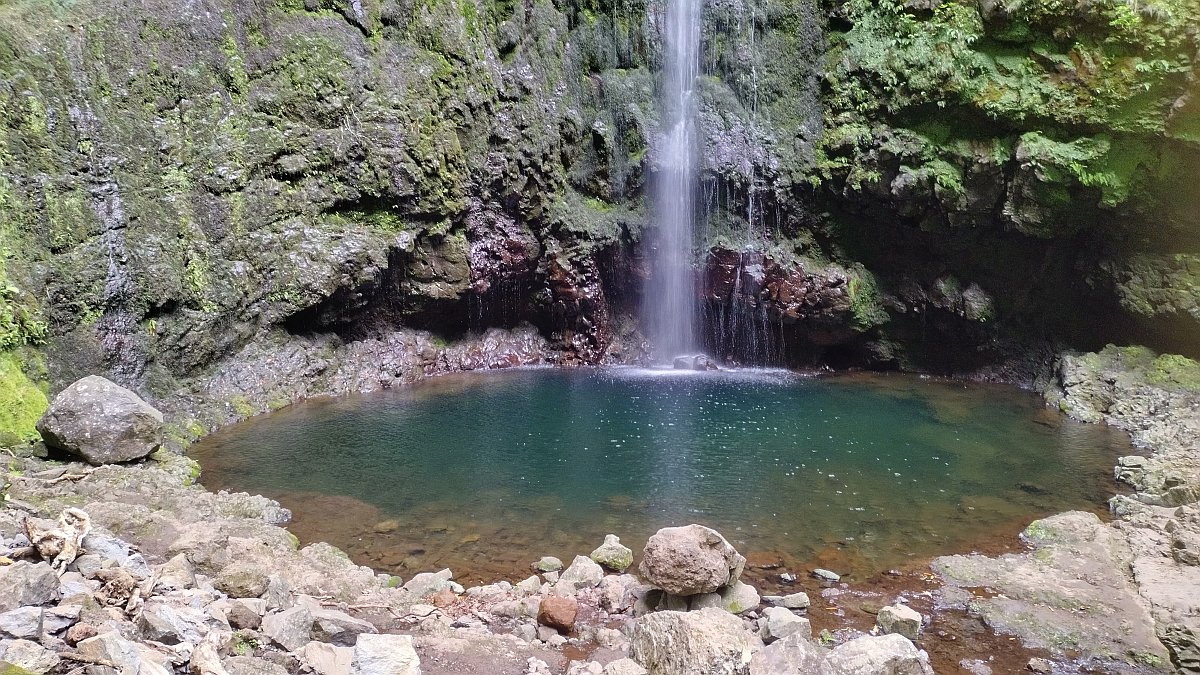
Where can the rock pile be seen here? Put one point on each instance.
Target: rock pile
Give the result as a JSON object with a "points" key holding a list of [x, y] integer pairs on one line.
{"points": [[207, 584]]}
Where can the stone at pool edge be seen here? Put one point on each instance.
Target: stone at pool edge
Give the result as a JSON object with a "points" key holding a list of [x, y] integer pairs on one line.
{"points": [[612, 554], [690, 560], [101, 422]]}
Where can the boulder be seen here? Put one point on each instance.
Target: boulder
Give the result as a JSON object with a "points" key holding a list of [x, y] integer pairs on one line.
{"points": [[623, 667], [339, 628], [24, 583], [558, 612], [385, 655], [706, 642], [127, 656], [739, 597], [326, 659], [899, 619], [880, 655], [426, 584], [792, 655], [172, 625], [548, 564], [243, 579], [793, 601], [206, 661], [583, 573], [779, 622], [102, 422], [176, 574], [31, 623], [612, 554], [27, 656], [290, 629], [690, 560], [250, 665]]}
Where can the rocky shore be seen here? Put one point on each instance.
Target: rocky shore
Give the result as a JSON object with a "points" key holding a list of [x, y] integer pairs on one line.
{"points": [[134, 568]]}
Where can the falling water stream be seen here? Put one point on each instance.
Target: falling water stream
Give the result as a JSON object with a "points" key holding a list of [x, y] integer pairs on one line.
{"points": [[670, 304]]}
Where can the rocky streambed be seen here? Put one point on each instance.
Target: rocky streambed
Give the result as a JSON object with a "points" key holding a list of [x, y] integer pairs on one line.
{"points": [[133, 568]]}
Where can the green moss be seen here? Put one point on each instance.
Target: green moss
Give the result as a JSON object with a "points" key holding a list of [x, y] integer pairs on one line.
{"points": [[1174, 371], [241, 406], [22, 401], [9, 669], [865, 305]]}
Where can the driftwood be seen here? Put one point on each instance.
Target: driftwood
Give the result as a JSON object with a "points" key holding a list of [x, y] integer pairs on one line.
{"points": [[60, 479], [91, 661], [60, 545]]}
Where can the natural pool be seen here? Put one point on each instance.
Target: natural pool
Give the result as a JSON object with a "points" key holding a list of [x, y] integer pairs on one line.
{"points": [[486, 472]]}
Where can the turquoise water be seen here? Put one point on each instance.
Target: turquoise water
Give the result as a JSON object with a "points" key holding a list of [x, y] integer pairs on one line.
{"points": [[486, 472]]}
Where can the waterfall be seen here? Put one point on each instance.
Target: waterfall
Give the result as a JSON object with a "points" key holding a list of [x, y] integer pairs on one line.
{"points": [[670, 298]]}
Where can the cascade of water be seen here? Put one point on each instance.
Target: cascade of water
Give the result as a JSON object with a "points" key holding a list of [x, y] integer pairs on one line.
{"points": [[670, 299]]}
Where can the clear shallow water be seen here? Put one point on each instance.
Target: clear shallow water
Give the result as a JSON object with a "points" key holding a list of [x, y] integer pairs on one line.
{"points": [[486, 472]]}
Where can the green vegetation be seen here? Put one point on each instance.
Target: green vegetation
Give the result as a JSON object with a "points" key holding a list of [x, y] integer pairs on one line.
{"points": [[22, 401]]}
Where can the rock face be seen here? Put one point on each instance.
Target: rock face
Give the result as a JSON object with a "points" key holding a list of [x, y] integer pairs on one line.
{"points": [[101, 422], [706, 642], [689, 560], [1070, 592]]}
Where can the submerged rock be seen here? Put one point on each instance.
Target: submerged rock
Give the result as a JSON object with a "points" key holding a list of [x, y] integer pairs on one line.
{"points": [[689, 560], [102, 422]]}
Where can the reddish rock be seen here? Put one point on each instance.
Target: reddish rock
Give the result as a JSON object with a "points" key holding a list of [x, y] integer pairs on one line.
{"points": [[558, 612], [80, 632], [443, 598]]}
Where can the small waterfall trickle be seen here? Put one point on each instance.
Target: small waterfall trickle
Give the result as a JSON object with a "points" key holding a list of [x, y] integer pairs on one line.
{"points": [[670, 298]]}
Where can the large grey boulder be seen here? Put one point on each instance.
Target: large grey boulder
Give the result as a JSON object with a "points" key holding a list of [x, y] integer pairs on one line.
{"points": [[384, 654], [792, 655], [27, 656], [31, 623], [25, 583], [127, 656], [689, 560], [102, 422], [706, 642], [337, 627], [880, 655], [290, 629]]}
